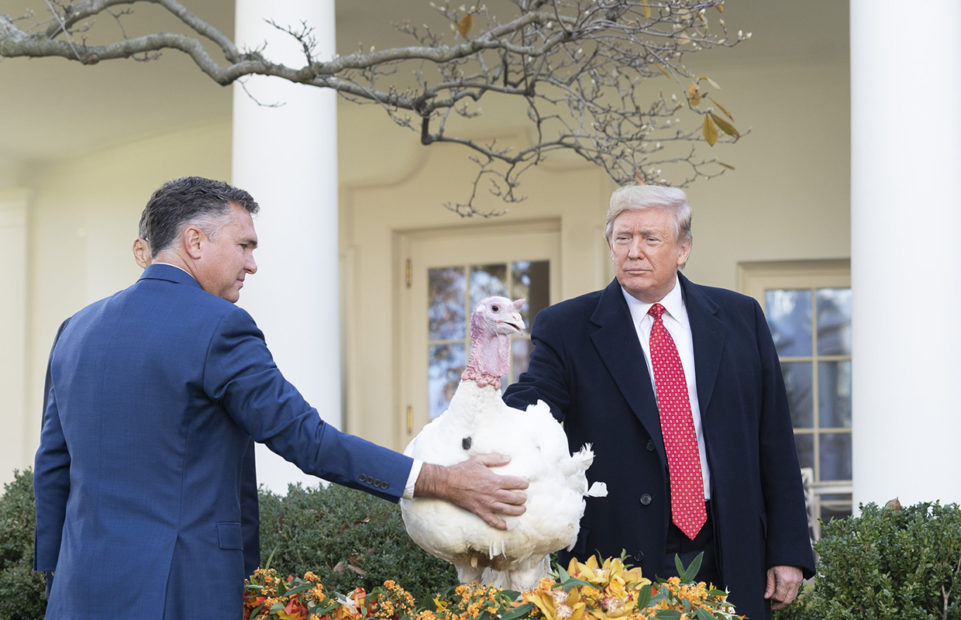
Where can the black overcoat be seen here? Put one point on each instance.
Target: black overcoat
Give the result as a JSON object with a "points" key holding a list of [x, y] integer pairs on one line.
{"points": [[588, 365]]}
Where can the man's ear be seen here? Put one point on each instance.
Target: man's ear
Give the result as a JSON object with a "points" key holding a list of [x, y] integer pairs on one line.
{"points": [[685, 253], [141, 252], [193, 238]]}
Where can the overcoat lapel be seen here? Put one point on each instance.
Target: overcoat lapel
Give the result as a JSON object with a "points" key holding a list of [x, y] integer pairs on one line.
{"points": [[615, 339], [708, 336]]}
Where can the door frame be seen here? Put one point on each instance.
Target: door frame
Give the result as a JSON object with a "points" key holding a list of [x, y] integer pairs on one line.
{"points": [[420, 250]]}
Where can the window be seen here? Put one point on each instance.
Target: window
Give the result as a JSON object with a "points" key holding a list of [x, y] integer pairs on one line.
{"points": [[447, 273], [453, 291], [808, 308]]}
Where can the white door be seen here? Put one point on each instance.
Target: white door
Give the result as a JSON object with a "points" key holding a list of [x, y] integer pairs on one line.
{"points": [[448, 272]]}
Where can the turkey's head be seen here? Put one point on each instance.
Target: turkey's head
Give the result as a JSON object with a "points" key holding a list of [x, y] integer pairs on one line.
{"points": [[493, 321], [497, 315]]}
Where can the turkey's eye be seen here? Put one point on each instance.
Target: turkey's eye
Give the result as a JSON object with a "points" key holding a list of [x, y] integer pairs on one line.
{"points": [[496, 308]]}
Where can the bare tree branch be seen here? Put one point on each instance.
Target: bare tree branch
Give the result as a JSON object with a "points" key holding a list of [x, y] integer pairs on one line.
{"points": [[602, 79]]}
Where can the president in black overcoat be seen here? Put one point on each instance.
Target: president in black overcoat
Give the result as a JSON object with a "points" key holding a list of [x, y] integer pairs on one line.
{"points": [[591, 363]]}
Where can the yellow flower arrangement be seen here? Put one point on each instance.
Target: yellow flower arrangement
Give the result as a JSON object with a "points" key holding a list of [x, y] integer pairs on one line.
{"points": [[591, 590]]}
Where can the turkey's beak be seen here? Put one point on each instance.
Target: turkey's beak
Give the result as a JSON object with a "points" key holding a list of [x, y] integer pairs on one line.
{"points": [[516, 322]]}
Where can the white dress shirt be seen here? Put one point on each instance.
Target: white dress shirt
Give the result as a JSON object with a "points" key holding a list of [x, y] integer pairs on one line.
{"points": [[679, 326]]}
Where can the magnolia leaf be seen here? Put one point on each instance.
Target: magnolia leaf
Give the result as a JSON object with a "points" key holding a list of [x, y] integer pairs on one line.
{"points": [[710, 130], [663, 70], [702, 614], [688, 574], [465, 24], [573, 581], [518, 612], [668, 614], [643, 597], [693, 95], [639, 177], [721, 108], [725, 126], [720, 8], [712, 83], [299, 588], [728, 166], [646, 10]]}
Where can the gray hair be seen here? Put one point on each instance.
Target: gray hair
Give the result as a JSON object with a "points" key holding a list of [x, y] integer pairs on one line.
{"points": [[630, 197], [189, 200]]}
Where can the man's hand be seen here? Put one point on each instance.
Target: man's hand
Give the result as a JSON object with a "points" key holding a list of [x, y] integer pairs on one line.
{"points": [[474, 487], [783, 583]]}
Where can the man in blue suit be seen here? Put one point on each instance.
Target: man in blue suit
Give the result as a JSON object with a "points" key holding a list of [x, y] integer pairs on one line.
{"points": [[155, 396], [592, 363], [249, 499]]}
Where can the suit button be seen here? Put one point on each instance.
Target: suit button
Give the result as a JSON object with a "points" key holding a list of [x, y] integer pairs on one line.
{"points": [[638, 557], [645, 499], [363, 478], [650, 445]]}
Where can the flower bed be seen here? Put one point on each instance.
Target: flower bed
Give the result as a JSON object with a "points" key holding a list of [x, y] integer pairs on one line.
{"points": [[585, 591]]}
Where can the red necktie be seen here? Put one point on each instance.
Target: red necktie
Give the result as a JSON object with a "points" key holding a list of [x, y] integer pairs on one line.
{"points": [[677, 428]]}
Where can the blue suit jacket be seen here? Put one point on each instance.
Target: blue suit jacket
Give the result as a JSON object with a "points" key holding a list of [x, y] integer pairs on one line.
{"points": [[588, 365], [155, 396]]}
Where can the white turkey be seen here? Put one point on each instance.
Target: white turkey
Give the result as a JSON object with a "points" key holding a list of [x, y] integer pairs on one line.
{"points": [[477, 422]]}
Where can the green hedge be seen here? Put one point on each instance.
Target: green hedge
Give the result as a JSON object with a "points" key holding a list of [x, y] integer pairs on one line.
{"points": [[887, 563], [348, 538], [21, 588]]}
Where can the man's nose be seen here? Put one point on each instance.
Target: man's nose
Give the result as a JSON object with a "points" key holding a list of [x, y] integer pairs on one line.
{"points": [[635, 251], [250, 266]]}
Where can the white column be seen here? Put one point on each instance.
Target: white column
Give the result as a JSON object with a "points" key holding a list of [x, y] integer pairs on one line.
{"points": [[20, 428], [286, 157], [905, 250]]}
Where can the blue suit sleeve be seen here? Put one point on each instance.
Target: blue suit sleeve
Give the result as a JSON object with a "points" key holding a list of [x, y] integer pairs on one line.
{"points": [[51, 481], [240, 374]]}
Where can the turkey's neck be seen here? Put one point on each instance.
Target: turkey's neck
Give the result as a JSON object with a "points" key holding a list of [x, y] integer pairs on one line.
{"points": [[489, 359]]}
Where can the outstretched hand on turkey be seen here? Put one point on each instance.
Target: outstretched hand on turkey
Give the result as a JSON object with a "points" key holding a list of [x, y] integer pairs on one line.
{"points": [[473, 486]]}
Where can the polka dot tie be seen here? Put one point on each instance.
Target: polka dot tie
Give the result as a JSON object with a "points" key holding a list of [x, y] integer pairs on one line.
{"points": [[677, 428]]}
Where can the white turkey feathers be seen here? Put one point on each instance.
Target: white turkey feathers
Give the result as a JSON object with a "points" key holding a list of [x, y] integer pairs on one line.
{"points": [[478, 422]]}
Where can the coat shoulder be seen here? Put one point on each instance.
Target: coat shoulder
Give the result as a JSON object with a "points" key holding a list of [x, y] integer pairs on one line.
{"points": [[726, 300], [582, 304], [721, 295]]}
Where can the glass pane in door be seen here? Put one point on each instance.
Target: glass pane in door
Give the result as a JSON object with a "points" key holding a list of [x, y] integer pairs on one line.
{"points": [[446, 363], [453, 292], [445, 304]]}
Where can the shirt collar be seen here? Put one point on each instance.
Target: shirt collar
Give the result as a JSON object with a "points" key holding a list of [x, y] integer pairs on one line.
{"points": [[673, 302]]}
